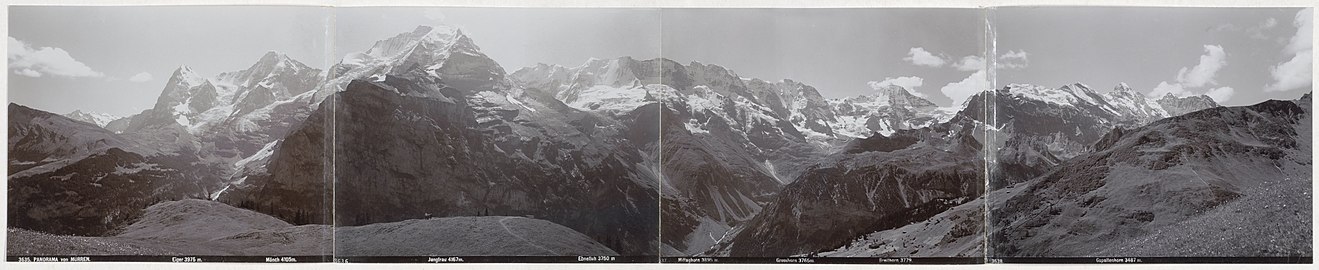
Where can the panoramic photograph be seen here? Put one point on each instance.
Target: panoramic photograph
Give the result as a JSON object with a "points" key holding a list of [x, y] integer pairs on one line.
{"points": [[659, 135], [149, 133], [1176, 134]]}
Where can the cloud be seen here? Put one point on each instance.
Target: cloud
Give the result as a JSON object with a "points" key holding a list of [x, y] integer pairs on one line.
{"points": [[1203, 73], [1013, 60], [959, 92], [907, 82], [140, 77], [970, 63], [1165, 88], [28, 61], [1221, 94], [1296, 72], [28, 72], [1268, 23], [920, 57]]}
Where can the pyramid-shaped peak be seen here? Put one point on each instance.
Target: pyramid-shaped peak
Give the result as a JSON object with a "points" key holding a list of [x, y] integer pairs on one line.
{"points": [[185, 75], [272, 55], [1077, 86], [422, 29], [435, 36], [1122, 87]]}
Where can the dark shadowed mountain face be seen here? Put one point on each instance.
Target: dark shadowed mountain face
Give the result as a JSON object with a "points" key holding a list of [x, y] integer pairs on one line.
{"points": [[873, 184], [454, 155], [1181, 186], [729, 143], [426, 126], [71, 177]]}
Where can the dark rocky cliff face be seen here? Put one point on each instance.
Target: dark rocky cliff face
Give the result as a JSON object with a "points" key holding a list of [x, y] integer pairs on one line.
{"points": [[874, 184]]}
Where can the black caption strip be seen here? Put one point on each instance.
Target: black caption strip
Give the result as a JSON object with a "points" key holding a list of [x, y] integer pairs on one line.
{"points": [[823, 260], [1158, 260], [498, 259], [176, 259]]}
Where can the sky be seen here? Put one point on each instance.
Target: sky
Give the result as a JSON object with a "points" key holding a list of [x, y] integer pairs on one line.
{"points": [[116, 59], [93, 58], [1233, 54]]}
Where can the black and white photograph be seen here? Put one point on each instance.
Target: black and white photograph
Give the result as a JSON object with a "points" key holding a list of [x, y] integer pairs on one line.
{"points": [[356, 134], [167, 133], [1153, 134], [495, 135], [834, 134]]}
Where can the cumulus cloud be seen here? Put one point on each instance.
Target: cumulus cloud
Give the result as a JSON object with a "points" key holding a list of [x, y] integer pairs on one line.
{"points": [[1203, 73], [140, 77], [1189, 79], [1013, 60], [907, 82], [1018, 59], [960, 91], [26, 60], [920, 57], [1295, 72], [970, 63], [1165, 88], [1221, 94]]}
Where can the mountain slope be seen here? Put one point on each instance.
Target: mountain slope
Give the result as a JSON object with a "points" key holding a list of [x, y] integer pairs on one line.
{"points": [[71, 177], [425, 125], [466, 236], [1039, 127], [873, 184], [185, 228], [1165, 188]]}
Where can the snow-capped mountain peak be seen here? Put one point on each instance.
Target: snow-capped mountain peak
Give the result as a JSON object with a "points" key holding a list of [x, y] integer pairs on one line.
{"points": [[1122, 87], [1083, 93], [1133, 105], [185, 77], [100, 119], [403, 43], [1041, 93], [441, 52], [272, 65], [899, 96]]}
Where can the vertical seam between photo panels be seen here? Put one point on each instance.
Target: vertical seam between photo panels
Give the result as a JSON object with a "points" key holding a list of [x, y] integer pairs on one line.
{"points": [[659, 147], [330, 31], [990, 114]]}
